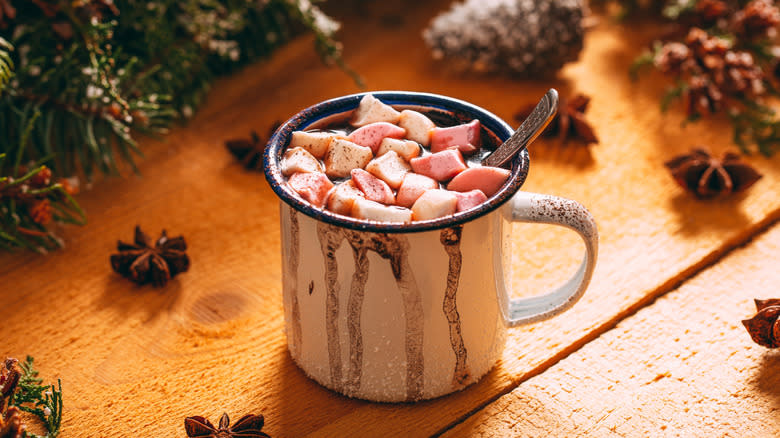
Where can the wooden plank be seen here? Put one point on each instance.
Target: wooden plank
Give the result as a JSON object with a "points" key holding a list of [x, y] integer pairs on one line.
{"points": [[683, 366], [132, 359]]}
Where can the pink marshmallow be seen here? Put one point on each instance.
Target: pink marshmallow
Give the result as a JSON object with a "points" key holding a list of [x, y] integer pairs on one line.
{"points": [[412, 187], [371, 135], [466, 137], [488, 179], [467, 200], [440, 166], [374, 188], [312, 186]]}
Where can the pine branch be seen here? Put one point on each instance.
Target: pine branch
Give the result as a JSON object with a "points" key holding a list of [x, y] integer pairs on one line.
{"points": [[43, 401], [87, 78], [100, 80], [6, 64]]}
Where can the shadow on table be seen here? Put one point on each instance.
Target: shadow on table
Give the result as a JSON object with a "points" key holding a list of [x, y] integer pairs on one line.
{"points": [[127, 299], [305, 406], [308, 407], [129, 302], [768, 377], [698, 216], [571, 154]]}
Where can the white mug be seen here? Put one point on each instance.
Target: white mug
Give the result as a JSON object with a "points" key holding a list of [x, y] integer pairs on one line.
{"points": [[404, 312]]}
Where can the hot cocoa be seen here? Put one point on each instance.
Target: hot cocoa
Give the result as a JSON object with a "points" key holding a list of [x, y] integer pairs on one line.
{"points": [[392, 166]]}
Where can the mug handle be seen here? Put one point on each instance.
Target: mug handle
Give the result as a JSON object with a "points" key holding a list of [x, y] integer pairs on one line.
{"points": [[553, 210]]}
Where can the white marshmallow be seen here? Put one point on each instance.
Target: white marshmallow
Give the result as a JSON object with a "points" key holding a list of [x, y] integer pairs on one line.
{"points": [[343, 156], [314, 142], [418, 126], [343, 196], [407, 149], [299, 160], [365, 209], [434, 204], [390, 168], [373, 110]]}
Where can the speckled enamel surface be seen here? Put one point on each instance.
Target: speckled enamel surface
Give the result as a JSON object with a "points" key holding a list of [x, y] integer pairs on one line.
{"points": [[384, 326]]}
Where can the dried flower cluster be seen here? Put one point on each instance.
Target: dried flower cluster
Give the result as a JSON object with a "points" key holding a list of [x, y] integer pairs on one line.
{"points": [[143, 263], [248, 426], [30, 195], [708, 177], [764, 327], [30, 200], [522, 37], [725, 60], [714, 73]]}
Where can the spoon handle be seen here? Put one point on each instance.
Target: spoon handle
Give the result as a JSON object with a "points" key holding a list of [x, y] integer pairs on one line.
{"points": [[531, 127]]}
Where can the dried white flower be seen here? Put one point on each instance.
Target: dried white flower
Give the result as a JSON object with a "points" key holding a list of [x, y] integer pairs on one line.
{"points": [[524, 37], [93, 92]]}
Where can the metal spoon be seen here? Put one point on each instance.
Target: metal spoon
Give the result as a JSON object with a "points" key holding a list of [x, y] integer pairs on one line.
{"points": [[531, 127]]}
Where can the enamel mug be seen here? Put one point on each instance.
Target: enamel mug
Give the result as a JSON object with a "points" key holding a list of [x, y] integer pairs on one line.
{"points": [[396, 312]]}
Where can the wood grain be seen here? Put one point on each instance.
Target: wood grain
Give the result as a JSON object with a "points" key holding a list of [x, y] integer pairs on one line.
{"points": [[683, 366], [135, 361]]}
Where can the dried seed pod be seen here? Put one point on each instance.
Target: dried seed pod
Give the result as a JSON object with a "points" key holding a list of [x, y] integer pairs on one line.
{"points": [[764, 327], [9, 378], [11, 425]]}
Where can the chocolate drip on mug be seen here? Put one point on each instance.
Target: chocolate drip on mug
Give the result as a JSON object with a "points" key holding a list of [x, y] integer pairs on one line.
{"points": [[354, 307], [330, 241], [295, 257], [394, 248], [450, 239]]}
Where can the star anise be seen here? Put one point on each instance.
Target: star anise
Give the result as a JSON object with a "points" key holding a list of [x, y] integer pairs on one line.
{"points": [[764, 327], [249, 426], [250, 150], [708, 177], [11, 426], [569, 122], [143, 263]]}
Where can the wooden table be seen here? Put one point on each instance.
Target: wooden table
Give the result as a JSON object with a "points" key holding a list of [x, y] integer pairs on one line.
{"points": [[654, 348]]}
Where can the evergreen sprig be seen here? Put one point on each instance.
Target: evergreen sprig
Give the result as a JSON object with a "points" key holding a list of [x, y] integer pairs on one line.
{"points": [[81, 80], [6, 63], [43, 401], [99, 78]]}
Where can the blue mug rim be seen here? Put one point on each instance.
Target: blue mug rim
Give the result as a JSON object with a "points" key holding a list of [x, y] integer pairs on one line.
{"points": [[278, 142]]}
